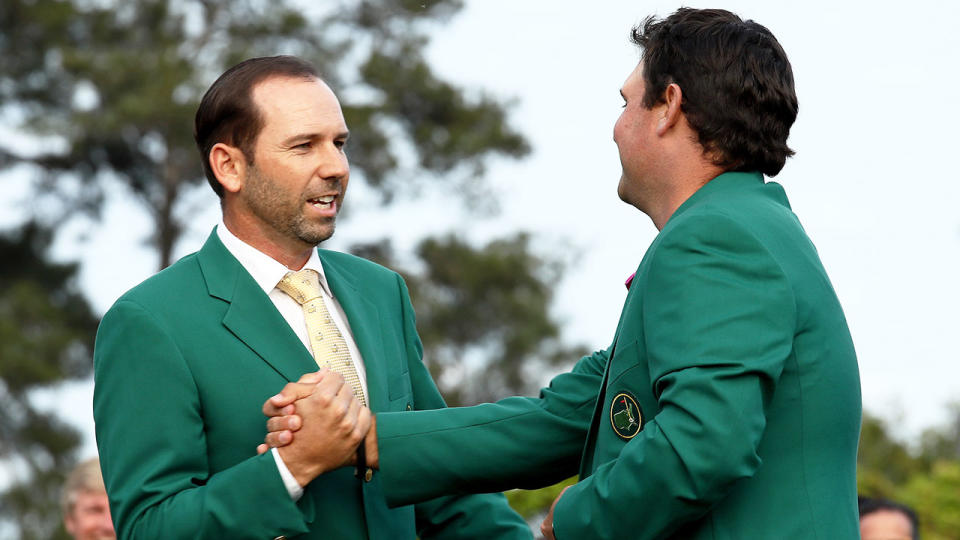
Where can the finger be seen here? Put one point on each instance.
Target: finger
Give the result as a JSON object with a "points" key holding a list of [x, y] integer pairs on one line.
{"points": [[262, 448], [353, 409], [277, 439], [331, 383], [357, 420], [284, 423], [290, 393], [364, 422], [313, 377], [340, 406], [269, 409], [370, 442]]}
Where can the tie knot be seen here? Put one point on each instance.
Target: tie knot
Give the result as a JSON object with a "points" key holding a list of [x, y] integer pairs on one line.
{"points": [[302, 286]]}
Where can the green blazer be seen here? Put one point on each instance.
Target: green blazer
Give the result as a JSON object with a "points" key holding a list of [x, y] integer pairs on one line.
{"points": [[727, 406], [183, 364]]}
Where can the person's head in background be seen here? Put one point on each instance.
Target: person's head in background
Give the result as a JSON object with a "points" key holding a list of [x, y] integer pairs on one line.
{"points": [[86, 510], [881, 519]]}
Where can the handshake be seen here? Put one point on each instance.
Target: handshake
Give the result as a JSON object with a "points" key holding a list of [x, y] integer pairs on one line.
{"points": [[317, 425]]}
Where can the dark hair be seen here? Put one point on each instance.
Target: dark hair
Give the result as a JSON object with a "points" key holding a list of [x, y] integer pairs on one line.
{"points": [[736, 82], [869, 505], [227, 113]]}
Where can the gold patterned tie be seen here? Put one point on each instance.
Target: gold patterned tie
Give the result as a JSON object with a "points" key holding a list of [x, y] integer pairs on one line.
{"points": [[329, 348]]}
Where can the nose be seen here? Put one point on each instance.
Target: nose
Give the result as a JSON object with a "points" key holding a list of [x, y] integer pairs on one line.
{"points": [[333, 163]]}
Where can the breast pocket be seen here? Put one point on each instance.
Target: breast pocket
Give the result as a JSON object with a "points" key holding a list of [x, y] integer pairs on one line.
{"points": [[626, 355], [398, 386]]}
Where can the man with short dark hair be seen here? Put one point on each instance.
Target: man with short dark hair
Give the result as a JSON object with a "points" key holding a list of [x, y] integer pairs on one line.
{"points": [[184, 360], [882, 519], [728, 404]]}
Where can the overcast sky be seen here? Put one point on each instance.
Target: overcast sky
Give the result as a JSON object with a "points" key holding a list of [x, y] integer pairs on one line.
{"points": [[873, 180]]}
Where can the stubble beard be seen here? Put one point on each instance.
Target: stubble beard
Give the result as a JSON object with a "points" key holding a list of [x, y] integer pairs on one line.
{"points": [[282, 211]]}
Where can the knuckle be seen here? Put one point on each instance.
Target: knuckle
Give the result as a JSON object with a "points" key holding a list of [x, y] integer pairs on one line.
{"points": [[324, 399]]}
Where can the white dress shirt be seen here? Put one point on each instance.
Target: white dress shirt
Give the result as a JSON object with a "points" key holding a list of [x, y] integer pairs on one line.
{"points": [[267, 272]]}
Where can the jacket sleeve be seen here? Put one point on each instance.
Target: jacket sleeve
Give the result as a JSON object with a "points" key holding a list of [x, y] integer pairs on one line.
{"points": [[718, 318], [152, 445], [517, 442]]}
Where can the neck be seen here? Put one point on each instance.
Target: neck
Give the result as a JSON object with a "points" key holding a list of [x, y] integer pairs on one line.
{"points": [[683, 184], [292, 253]]}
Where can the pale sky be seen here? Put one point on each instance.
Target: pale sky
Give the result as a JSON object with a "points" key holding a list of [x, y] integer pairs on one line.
{"points": [[872, 180]]}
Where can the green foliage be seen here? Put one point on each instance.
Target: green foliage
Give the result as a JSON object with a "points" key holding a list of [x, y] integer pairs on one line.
{"points": [[118, 82], [935, 496], [883, 463], [108, 88], [533, 505], [46, 336], [483, 316], [925, 477]]}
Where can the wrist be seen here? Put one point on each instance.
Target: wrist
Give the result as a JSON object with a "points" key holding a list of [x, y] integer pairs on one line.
{"points": [[303, 472]]}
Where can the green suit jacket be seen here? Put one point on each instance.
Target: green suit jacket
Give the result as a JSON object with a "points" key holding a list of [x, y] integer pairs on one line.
{"points": [[183, 364], [727, 406]]}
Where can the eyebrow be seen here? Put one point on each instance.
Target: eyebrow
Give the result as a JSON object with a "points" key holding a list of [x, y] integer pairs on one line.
{"points": [[343, 135]]}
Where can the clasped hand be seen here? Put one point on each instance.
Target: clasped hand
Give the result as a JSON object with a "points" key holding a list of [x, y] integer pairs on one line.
{"points": [[328, 420]]}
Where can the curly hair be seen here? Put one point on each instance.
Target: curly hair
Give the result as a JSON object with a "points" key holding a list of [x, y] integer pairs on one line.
{"points": [[736, 81]]}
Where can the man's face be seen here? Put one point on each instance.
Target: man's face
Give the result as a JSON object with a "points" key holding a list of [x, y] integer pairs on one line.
{"points": [[89, 519], [886, 525], [295, 187], [634, 134]]}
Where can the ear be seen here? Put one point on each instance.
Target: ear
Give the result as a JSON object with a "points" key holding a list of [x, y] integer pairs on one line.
{"points": [[229, 166], [671, 114], [69, 523]]}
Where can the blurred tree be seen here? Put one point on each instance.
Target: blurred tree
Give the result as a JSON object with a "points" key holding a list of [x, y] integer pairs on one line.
{"points": [[935, 496], [113, 85], [46, 336], [108, 88], [924, 476], [533, 505], [883, 463], [483, 316]]}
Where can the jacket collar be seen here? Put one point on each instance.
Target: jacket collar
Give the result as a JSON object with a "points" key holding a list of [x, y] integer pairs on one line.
{"points": [[253, 319], [251, 316], [726, 182]]}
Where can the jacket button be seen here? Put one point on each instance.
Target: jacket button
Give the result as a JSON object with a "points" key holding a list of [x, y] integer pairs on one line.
{"points": [[409, 407], [369, 475]]}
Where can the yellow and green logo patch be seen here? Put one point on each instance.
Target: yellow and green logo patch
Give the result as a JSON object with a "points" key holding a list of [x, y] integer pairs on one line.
{"points": [[625, 416]]}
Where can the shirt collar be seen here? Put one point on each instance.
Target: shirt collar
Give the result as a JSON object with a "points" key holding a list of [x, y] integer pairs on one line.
{"points": [[264, 269]]}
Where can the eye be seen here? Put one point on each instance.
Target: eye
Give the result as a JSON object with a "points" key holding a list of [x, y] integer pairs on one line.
{"points": [[340, 143], [303, 146]]}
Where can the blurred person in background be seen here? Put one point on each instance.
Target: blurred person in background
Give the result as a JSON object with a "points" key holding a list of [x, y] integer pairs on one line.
{"points": [[882, 519], [86, 510]]}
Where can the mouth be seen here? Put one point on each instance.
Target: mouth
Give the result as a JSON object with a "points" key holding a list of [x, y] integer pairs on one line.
{"points": [[325, 203]]}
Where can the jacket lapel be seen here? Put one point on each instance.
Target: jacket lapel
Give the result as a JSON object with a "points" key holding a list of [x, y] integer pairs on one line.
{"points": [[251, 316], [364, 319]]}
